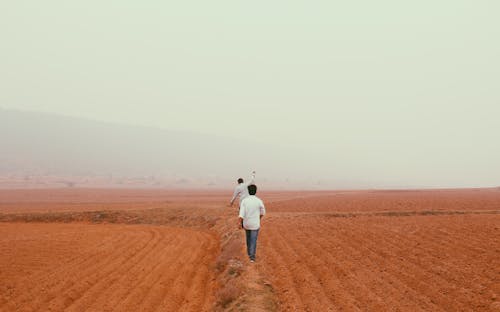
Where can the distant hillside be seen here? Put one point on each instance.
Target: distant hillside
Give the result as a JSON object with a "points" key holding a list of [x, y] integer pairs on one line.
{"points": [[50, 144]]}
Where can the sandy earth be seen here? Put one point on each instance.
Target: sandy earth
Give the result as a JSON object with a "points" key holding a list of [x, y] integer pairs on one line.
{"points": [[426, 263], [148, 250], [426, 251], [395, 200], [88, 199], [79, 267]]}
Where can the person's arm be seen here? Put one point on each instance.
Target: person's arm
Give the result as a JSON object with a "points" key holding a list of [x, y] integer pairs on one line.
{"points": [[262, 210], [235, 194], [241, 217], [252, 179]]}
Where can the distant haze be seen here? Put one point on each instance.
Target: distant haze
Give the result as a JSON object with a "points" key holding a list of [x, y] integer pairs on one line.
{"points": [[341, 94]]}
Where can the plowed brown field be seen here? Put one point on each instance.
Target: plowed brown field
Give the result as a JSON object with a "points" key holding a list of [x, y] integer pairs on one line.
{"points": [[396, 251], [159, 250], [79, 267], [426, 263]]}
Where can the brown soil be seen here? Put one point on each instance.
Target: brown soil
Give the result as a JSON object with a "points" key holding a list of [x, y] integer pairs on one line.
{"points": [[148, 250], [395, 201], [78, 200], [423, 263], [80, 267], [400, 251]]}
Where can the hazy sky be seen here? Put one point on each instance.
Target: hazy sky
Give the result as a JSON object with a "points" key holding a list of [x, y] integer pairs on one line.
{"points": [[404, 90]]}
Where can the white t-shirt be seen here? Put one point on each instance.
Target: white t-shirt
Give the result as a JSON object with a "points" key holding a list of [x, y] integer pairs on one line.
{"points": [[251, 209], [241, 190]]}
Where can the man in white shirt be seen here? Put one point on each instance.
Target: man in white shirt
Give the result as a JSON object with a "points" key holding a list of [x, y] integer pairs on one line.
{"points": [[241, 190], [252, 209]]}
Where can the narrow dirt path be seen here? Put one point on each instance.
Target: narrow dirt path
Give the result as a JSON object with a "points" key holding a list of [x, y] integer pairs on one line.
{"points": [[255, 291], [260, 296]]}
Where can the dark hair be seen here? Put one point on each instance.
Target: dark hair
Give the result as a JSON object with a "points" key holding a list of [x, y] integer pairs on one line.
{"points": [[240, 180], [252, 189]]}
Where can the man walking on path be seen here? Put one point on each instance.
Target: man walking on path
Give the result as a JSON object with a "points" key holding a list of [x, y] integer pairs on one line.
{"points": [[251, 211], [241, 190]]}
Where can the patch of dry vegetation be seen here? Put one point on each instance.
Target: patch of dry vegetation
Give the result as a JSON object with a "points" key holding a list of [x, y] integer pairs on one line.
{"points": [[229, 294], [229, 264]]}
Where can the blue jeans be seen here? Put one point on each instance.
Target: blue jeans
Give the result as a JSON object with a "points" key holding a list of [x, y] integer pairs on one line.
{"points": [[251, 242]]}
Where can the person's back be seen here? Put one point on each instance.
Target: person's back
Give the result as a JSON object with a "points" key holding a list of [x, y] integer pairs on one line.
{"points": [[241, 190], [251, 211]]}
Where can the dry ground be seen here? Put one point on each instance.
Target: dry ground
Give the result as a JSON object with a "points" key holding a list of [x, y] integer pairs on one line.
{"points": [[380, 251], [80, 267], [147, 250]]}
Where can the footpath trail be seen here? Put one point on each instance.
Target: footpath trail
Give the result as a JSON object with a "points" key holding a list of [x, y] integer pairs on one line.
{"points": [[242, 284], [260, 296]]}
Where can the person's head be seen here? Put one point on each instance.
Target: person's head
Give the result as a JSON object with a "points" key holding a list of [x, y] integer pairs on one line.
{"points": [[240, 180], [252, 189]]}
